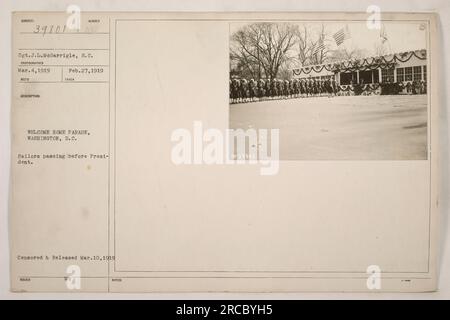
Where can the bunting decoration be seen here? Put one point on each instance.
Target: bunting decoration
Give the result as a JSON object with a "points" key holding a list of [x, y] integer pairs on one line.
{"points": [[383, 62]]}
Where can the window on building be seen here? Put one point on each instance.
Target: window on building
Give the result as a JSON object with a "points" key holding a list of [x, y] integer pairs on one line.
{"points": [[400, 74], [425, 73], [387, 75], [417, 73], [366, 77], [376, 76], [408, 74], [347, 77]]}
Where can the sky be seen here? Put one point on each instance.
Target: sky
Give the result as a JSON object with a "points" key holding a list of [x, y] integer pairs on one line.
{"points": [[402, 36]]}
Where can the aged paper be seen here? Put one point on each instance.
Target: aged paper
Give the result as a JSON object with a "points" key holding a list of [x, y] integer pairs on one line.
{"points": [[193, 152]]}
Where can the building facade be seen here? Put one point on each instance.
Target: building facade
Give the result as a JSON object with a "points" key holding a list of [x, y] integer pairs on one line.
{"points": [[399, 73]]}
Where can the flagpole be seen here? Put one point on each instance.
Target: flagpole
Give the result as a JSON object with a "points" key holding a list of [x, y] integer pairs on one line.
{"points": [[384, 37], [390, 48]]}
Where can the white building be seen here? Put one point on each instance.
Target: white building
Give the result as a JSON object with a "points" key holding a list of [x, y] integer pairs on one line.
{"points": [[401, 68]]}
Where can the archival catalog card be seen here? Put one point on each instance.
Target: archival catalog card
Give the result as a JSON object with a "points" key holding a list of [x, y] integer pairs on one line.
{"points": [[242, 152]]}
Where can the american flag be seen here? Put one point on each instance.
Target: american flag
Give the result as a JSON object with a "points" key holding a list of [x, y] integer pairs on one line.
{"points": [[341, 35], [319, 47]]}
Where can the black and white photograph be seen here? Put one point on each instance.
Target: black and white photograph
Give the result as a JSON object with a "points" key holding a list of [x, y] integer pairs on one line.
{"points": [[335, 90]]}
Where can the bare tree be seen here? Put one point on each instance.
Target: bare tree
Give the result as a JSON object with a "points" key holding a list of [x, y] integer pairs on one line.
{"points": [[263, 47], [304, 49], [347, 54]]}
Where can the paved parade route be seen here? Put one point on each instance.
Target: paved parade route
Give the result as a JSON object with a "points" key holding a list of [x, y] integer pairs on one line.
{"points": [[340, 128]]}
